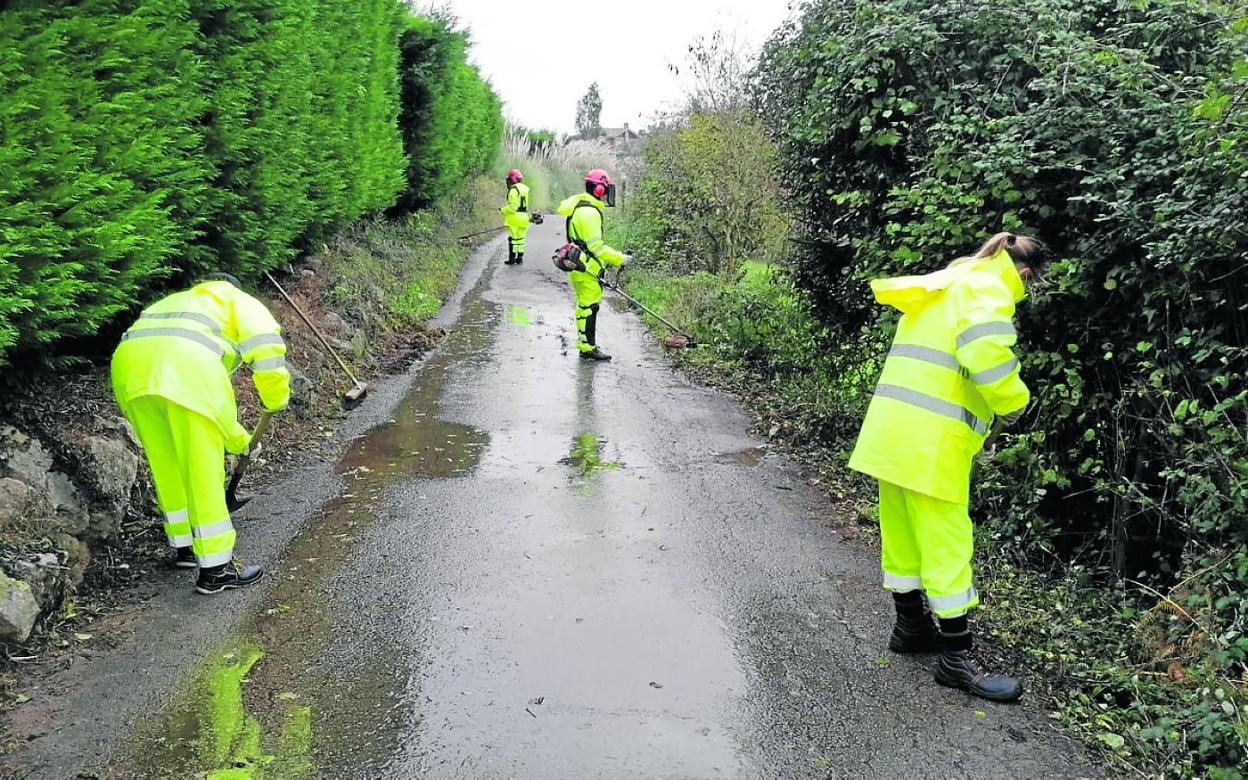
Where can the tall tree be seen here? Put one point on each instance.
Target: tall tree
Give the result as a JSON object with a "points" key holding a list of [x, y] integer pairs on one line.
{"points": [[589, 113]]}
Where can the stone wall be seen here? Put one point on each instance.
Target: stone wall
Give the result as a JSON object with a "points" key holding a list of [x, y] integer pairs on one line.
{"points": [[58, 499]]}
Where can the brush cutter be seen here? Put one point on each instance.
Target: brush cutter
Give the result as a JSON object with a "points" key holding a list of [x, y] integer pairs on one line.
{"points": [[232, 500], [679, 338], [355, 395], [481, 233], [568, 258]]}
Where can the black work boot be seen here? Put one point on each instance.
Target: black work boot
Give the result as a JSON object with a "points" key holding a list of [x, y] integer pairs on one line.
{"points": [[184, 558], [231, 576], [958, 667], [519, 258], [914, 631], [595, 354], [511, 258]]}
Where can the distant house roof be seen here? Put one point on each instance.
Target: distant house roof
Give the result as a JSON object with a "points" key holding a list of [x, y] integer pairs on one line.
{"points": [[624, 133]]}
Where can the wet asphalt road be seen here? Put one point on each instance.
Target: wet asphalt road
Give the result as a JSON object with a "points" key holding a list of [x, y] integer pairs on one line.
{"points": [[534, 567]]}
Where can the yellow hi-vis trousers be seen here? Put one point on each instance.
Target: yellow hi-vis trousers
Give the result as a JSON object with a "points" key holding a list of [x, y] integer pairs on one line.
{"points": [[517, 231], [926, 544], [186, 452]]}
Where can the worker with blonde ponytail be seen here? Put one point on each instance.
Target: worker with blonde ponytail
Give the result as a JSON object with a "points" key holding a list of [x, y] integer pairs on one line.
{"points": [[950, 379]]}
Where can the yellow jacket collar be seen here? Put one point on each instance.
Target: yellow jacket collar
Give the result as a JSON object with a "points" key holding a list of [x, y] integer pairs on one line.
{"points": [[1003, 265], [908, 293]]}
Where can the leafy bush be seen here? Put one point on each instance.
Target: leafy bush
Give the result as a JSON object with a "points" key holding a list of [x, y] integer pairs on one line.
{"points": [[145, 142], [1116, 132], [710, 197]]}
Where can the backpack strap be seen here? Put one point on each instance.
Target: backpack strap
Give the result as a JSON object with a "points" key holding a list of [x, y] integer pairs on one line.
{"points": [[577, 239], [524, 201]]}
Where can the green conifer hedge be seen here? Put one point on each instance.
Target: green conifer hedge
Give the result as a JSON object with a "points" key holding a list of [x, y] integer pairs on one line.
{"points": [[143, 142]]}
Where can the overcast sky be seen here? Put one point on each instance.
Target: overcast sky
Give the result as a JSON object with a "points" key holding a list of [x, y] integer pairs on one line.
{"points": [[538, 54]]}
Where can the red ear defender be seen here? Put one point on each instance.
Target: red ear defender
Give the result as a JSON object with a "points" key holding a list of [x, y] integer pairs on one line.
{"points": [[599, 191]]}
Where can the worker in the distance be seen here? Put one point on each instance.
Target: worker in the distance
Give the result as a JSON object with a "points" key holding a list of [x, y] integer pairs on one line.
{"points": [[171, 378], [950, 379], [516, 216], [585, 222]]}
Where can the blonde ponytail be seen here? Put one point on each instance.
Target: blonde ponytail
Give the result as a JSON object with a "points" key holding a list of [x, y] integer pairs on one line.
{"points": [[1021, 249]]}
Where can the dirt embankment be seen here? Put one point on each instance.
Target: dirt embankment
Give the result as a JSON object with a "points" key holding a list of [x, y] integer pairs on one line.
{"points": [[78, 527]]}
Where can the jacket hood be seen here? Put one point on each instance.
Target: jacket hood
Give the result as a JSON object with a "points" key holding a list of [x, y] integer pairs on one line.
{"points": [[910, 293], [566, 207]]}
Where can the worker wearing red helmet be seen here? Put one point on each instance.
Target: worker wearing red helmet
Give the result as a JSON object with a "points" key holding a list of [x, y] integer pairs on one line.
{"points": [[584, 212], [516, 216]]}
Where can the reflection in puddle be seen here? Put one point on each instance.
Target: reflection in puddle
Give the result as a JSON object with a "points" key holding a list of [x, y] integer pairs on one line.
{"points": [[586, 456], [517, 315], [266, 703]]}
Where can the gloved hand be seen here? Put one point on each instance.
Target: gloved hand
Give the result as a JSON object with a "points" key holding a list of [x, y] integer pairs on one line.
{"points": [[1008, 420], [254, 449]]}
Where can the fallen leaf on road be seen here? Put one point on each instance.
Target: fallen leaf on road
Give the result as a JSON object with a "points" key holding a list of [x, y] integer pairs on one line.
{"points": [[883, 661], [654, 684], [537, 700], [980, 714]]}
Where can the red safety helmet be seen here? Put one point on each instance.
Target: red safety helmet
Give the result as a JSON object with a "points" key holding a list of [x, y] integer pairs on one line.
{"points": [[514, 175], [597, 182]]}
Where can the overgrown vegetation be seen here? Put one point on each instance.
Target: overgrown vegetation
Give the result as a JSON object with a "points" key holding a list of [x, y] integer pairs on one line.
{"points": [[552, 171], [146, 142], [1112, 523]]}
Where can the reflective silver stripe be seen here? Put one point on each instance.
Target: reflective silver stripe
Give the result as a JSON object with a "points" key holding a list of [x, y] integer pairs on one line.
{"points": [[212, 529], [952, 602], [926, 354], [996, 372], [933, 404], [183, 540], [259, 341], [269, 364], [901, 584], [986, 329], [177, 517], [202, 319], [214, 559], [181, 333]]}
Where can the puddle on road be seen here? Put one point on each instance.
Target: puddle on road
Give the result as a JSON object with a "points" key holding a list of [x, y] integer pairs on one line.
{"points": [[267, 703], [750, 456]]}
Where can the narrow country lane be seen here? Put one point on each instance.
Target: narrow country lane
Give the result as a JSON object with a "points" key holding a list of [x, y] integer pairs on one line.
{"points": [[534, 567]]}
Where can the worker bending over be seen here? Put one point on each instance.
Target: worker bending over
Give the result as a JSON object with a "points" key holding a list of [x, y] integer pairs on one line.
{"points": [[950, 378], [171, 378]]}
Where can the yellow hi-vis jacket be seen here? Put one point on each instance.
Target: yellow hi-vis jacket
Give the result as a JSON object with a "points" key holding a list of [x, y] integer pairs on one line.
{"points": [[950, 370], [516, 212], [585, 223], [185, 346]]}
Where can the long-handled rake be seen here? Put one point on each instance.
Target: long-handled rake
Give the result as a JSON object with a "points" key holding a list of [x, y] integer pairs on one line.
{"points": [[232, 500], [355, 395]]}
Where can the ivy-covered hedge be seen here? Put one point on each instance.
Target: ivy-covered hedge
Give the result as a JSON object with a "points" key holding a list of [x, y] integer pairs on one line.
{"points": [[145, 141], [1117, 131]]}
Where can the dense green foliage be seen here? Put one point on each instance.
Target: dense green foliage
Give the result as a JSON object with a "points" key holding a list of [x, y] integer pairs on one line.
{"points": [[1116, 131], [145, 142], [709, 197], [452, 120]]}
